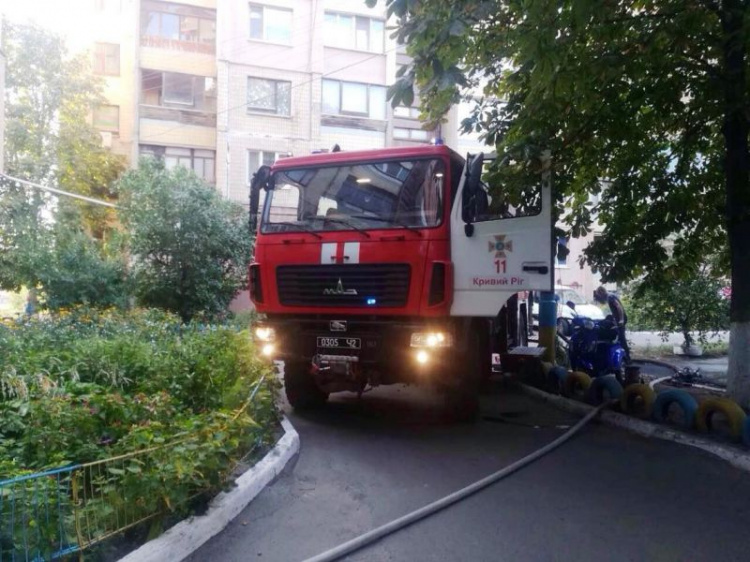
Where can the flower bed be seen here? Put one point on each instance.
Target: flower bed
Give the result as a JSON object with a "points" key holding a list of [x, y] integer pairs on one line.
{"points": [[87, 386]]}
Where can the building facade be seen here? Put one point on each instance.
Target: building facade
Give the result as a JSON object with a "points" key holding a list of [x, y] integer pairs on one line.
{"points": [[300, 76], [223, 87], [157, 61]]}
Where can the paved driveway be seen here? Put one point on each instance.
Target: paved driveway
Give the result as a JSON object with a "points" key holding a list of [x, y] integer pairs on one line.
{"points": [[607, 495]]}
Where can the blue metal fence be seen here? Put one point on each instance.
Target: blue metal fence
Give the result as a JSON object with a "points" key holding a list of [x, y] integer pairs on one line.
{"points": [[37, 520], [49, 515]]}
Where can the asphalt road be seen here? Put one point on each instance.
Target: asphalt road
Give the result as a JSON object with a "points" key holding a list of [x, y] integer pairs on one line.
{"points": [[606, 495]]}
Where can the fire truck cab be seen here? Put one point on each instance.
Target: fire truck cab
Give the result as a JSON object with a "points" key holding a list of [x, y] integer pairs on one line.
{"points": [[388, 266]]}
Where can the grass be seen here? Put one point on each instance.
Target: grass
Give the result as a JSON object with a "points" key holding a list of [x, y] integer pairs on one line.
{"points": [[710, 350]]}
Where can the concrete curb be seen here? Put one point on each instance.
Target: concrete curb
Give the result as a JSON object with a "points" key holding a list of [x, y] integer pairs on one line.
{"points": [[736, 458], [186, 537]]}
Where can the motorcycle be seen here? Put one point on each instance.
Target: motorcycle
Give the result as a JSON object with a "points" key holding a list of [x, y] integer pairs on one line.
{"points": [[594, 347]]}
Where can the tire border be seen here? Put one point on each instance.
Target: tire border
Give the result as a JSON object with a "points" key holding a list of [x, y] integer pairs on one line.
{"points": [[684, 399], [726, 406], [633, 391]]}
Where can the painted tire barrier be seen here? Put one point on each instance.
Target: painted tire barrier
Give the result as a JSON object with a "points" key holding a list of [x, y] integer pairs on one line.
{"points": [[575, 383], [631, 394], [746, 432], [735, 415], [601, 387], [556, 378], [669, 397]]}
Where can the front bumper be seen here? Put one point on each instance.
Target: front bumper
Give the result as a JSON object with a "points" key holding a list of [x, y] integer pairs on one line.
{"points": [[385, 343]]}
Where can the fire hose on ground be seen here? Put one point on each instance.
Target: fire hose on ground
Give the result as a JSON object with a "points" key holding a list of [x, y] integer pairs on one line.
{"points": [[384, 530]]}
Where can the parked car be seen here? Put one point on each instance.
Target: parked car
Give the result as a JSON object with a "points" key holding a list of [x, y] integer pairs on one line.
{"points": [[565, 314]]}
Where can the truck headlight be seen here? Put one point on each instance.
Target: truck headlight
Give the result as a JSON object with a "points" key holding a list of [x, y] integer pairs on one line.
{"points": [[431, 339], [422, 357], [265, 334]]}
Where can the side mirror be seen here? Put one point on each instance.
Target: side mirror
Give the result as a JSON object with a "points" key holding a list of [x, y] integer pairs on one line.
{"points": [[571, 304], [471, 191], [260, 179]]}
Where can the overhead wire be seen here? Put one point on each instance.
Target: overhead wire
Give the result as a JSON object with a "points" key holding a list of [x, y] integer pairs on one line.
{"points": [[56, 191]]}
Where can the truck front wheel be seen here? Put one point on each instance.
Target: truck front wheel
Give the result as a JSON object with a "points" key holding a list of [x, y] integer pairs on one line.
{"points": [[300, 387], [469, 368]]}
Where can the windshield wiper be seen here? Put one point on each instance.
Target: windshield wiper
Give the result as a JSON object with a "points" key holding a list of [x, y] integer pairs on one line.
{"points": [[347, 223], [297, 225], [389, 221]]}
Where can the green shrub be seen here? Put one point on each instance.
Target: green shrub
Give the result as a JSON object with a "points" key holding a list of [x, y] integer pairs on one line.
{"points": [[85, 385], [190, 247]]}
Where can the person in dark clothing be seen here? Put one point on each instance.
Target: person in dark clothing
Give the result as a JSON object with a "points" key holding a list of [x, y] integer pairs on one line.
{"points": [[619, 316]]}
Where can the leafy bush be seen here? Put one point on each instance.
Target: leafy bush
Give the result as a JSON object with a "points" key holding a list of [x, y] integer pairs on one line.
{"points": [[190, 247], [692, 304], [79, 271], [85, 385]]}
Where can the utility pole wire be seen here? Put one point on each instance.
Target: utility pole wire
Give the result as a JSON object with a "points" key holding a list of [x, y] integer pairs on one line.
{"points": [[61, 192]]}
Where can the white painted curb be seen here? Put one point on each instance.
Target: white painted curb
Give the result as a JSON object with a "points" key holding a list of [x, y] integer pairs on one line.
{"points": [[645, 428], [186, 537]]}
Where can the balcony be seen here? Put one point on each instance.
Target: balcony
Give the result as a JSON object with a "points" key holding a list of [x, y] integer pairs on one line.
{"points": [[158, 42], [182, 116]]}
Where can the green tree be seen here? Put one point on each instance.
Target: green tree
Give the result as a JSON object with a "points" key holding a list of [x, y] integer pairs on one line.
{"points": [[49, 98], [692, 304], [190, 247], [83, 270], [24, 237], [644, 103]]}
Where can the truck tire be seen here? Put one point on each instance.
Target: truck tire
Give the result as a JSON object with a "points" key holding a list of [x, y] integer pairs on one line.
{"points": [[462, 399], [300, 387]]}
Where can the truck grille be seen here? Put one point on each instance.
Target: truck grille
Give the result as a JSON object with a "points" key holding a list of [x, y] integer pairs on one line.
{"points": [[351, 285]]}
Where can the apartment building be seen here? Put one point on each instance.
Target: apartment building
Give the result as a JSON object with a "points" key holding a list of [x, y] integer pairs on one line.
{"points": [[300, 76], [177, 87], [158, 63], [223, 87]]}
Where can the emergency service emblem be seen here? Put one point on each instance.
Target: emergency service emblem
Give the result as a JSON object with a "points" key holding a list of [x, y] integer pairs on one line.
{"points": [[339, 290], [338, 325], [500, 246]]}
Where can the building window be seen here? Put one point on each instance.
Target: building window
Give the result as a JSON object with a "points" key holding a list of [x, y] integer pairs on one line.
{"points": [[258, 158], [179, 27], [270, 24], [353, 98], [201, 162], [269, 96], [411, 134], [178, 88], [107, 59], [107, 118], [174, 89], [354, 32], [406, 112], [562, 251]]}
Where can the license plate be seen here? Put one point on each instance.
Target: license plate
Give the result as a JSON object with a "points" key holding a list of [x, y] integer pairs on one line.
{"points": [[340, 343]]}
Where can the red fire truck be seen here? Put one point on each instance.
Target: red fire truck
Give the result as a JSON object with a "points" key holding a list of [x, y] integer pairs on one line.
{"points": [[388, 266]]}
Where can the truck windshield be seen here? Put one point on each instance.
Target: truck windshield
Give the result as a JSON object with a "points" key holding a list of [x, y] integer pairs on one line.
{"points": [[392, 194]]}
